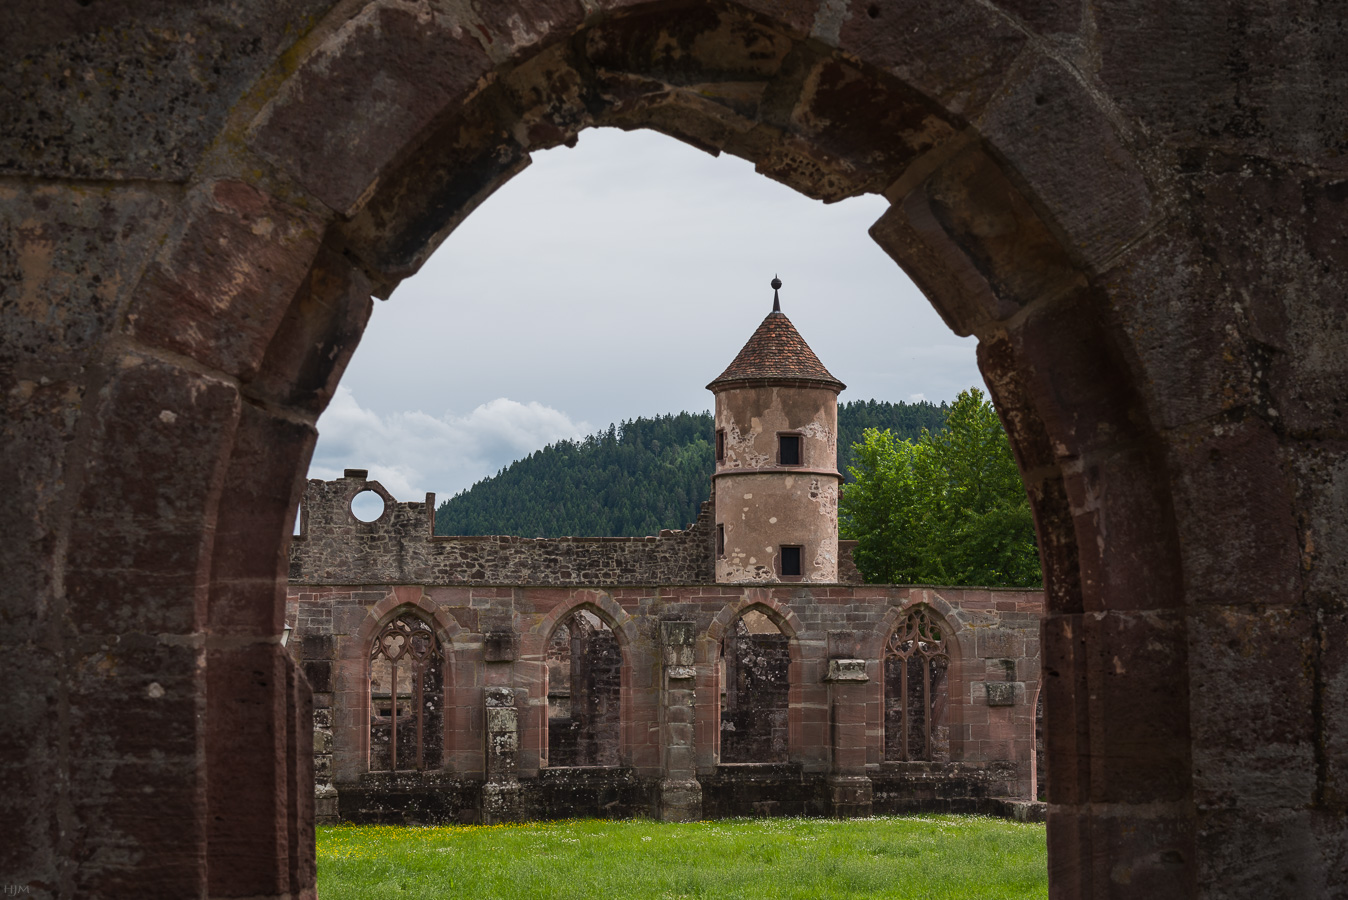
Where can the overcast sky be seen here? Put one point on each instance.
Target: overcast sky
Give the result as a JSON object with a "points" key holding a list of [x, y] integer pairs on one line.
{"points": [[614, 280]]}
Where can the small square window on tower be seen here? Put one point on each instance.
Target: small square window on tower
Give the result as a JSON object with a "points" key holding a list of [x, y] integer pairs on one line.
{"points": [[720, 540], [720, 445], [788, 449], [790, 561]]}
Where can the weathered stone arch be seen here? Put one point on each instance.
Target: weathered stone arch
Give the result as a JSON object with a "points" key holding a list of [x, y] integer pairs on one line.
{"points": [[758, 599], [1094, 182], [601, 603], [400, 598]]}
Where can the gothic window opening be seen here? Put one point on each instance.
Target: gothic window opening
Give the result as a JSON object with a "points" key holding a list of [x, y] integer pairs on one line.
{"points": [[755, 691], [584, 692], [406, 697], [916, 661]]}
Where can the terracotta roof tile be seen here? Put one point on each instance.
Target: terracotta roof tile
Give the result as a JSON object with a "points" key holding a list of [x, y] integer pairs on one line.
{"points": [[776, 352]]}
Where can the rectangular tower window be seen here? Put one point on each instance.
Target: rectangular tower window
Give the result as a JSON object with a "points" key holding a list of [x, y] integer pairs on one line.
{"points": [[720, 445], [720, 540], [790, 561], [789, 450]]}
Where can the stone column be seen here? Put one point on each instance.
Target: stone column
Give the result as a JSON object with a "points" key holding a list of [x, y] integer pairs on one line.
{"points": [[680, 791], [849, 786], [501, 792]]}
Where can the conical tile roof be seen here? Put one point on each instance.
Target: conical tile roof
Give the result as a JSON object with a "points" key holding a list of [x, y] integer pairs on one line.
{"points": [[775, 354]]}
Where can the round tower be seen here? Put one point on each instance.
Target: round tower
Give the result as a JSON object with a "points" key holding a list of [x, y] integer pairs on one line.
{"points": [[776, 480]]}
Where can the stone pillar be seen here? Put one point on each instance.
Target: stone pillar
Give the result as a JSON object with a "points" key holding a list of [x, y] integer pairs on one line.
{"points": [[501, 792], [849, 786], [325, 795], [680, 791]]}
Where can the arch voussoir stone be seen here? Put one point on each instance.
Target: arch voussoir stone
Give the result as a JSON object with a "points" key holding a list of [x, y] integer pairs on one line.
{"points": [[956, 53], [363, 96], [1069, 153], [218, 291]]}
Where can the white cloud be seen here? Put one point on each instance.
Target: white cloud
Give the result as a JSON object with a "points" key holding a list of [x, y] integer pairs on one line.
{"points": [[412, 452], [916, 398]]}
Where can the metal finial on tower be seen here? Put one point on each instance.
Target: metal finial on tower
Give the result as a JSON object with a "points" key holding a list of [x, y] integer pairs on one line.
{"points": [[776, 301]]}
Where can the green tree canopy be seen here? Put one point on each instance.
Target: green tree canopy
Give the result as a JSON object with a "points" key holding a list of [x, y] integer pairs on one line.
{"points": [[948, 508]]}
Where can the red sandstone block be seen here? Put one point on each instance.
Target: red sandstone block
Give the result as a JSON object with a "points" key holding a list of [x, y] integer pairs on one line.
{"points": [[1137, 666], [1250, 676], [135, 702], [144, 818], [1155, 850], [679, 715], [322, 125], [449, 596], [812, 714], [814, 735], [995, 749], [248, 560], [236, 236], [852, 759], [977, 714], [1235, 522], [894, 40], [1046, 100], [1126, 560], [142, 539], [849, 737], [246, 745], [849, 714], [315, 338]]}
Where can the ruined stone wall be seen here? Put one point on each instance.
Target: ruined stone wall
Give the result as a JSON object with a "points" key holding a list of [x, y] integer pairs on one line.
{"points": [[825, 667], [334, 547]]}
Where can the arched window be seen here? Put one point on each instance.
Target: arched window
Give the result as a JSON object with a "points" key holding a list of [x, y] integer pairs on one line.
{"points": [[406, 697], [584, 692], [915, 689], [755, 691]]}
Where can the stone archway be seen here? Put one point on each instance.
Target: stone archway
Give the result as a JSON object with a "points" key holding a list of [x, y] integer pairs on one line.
{"points": [[1172, 406]]}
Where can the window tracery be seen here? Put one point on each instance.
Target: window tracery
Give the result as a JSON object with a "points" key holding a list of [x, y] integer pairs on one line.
{"points": [[406, 696], [916, 661]]}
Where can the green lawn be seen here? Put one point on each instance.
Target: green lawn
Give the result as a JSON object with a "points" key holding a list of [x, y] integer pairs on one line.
{"points": [[928, 857]]}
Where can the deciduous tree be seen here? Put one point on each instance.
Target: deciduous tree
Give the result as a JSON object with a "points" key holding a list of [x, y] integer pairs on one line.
{"points": [[948, 508]]}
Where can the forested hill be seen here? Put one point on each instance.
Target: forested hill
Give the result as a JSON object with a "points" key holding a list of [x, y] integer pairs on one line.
{"points": [[635, 478]]}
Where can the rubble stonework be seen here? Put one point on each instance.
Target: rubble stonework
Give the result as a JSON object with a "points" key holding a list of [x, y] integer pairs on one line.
{"points": [[334, 547], [1137, 208]]}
